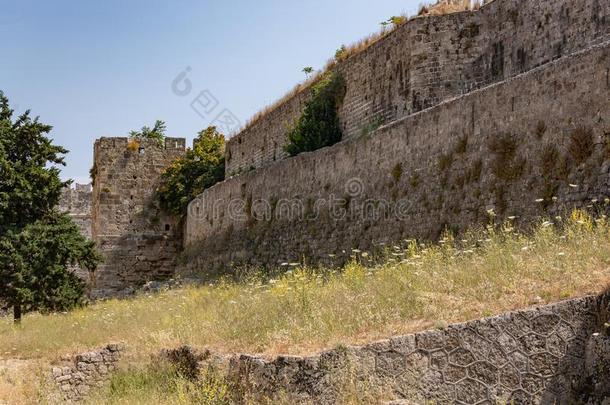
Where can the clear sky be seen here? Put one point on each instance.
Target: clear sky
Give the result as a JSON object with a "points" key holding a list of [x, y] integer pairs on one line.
{"points": [[103, 68]]}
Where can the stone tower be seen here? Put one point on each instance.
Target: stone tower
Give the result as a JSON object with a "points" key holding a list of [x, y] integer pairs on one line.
{"points": [[138, 241]]}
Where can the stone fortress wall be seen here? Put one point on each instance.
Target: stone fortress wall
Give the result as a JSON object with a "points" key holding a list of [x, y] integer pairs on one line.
{"points": [[76, 200], [138, 241], [432, 59], [526, 147], [443, 90]]}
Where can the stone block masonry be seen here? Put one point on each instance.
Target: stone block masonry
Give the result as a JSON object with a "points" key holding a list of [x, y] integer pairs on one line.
{"points": [[429, 60], [77, 376], [528, 147], [76, 201], [547, 355], [553, 354], [138, 241]]}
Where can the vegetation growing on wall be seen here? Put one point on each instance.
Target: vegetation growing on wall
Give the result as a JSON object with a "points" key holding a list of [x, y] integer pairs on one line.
{"points": [[319, 124], [344, 52], [581, 145], [200, 168], [157, 132]]}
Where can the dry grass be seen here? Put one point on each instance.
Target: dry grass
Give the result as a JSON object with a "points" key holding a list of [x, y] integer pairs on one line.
{"points": [[417, 288], [441, 7], [133, 145], [23, 382]]}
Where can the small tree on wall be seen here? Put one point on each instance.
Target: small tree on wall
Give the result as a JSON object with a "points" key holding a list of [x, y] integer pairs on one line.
{"points": [[37, 244], [201, 167], [319, 124], [157, 132]]}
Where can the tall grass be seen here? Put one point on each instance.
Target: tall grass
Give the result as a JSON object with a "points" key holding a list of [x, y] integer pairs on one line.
{"points": [[160, 384], [417, 287]]}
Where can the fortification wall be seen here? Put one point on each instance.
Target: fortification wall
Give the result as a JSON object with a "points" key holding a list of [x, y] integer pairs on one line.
{"points": [[76, 201], [530, 146], [138, 241], [429, 60]]}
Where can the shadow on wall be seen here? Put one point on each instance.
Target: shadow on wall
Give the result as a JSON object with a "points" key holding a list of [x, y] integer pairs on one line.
{"points": [[131, 261]]}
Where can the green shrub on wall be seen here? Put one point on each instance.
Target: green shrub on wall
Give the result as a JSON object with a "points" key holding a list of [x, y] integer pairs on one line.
{"points": [[319, 124], [201, 167]]}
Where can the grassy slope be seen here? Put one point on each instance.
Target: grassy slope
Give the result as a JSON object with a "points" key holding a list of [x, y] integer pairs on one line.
{"points": [[305, 310]]}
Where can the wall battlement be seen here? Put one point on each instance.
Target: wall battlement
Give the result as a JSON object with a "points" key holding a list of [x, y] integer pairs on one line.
{"points": [[117, 142], [431, 59]]}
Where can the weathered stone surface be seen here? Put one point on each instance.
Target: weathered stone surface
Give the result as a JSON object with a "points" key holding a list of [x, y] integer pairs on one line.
{"points": [[357, 200], [139, 242], [85, 371], [463, 376], [429, 60], [76, 201]]}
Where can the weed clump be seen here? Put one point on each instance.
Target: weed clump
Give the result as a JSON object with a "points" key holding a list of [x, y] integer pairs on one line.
{"points": [[581, 145], [505, 165]]}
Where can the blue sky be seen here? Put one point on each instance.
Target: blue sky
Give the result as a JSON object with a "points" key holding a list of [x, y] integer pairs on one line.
{"points": [[103, 68]]}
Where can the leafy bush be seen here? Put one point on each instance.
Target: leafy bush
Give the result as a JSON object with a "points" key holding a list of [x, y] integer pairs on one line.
{"points": [[201, 167], [319, 124]]}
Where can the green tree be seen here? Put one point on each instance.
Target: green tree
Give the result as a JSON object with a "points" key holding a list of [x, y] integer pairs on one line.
{"points": [[201, 167], [37, 244], [319, 124], [308, 70], [156, 132]]}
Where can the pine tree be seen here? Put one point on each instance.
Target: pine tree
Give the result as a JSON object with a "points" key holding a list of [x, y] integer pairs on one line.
{"points": [[37, 244]]}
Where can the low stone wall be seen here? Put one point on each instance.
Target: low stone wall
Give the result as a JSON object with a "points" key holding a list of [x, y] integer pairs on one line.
{"points": [[553, 354], [78, 375], [550, 355]]}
